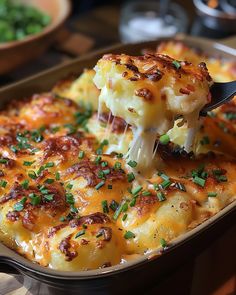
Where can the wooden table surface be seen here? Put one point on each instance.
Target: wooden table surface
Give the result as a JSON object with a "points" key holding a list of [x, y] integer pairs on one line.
{"points": [[214, 271]]}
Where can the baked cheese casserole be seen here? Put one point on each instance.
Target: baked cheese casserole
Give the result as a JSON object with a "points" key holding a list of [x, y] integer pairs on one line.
{"points": [[74, 194]]}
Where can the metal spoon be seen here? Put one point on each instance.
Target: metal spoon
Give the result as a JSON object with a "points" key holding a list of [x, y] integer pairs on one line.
{"points": [[221, 93]]}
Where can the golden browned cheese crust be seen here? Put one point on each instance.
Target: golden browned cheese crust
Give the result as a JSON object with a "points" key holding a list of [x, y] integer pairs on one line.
{"points": [[67, 205]]}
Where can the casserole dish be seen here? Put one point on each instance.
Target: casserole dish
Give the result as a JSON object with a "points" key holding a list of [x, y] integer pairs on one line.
{"points": [[141, 272]]}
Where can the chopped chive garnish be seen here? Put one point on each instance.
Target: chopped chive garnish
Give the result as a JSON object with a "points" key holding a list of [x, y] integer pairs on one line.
{"points": [[125, 207], [164, 139], [49, 197], [14, 148], [104, 164], [119, 156], [80, 233], [99, 234], [69, 186], [163, 243], [34, 199], [109, 186], [19, 206], [118, 211], [124, 217], [106, 171], [180, 186], [84, 226], [3, 161], [49, 180], [129, 235], [222, 178], [165, 184], [117, 165], [161, 197], [70, 198], [3, 183], [25, 184], [113, 205], [133, 202], [81, 154], [199, 181], [98, 160], [163, 176], [32, 175], [130, 177], [136, 190], [211, 194], [99, 185], [105, 206], [57, 176], [62, 218], [36, 136], [146, 193], [73, 209], [49, 164], [132, 164], [28, 163], [40, 170], [176, 64]]}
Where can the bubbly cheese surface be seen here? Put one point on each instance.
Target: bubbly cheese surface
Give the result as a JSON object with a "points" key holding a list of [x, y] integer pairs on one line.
{"points": [[69, 202]]}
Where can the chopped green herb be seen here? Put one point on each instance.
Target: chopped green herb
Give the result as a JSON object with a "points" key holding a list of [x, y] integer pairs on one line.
{"points": [[132, 163], [118, 211], [73, 209], [101, 174], [99, 234], [129, 235], [98, 160], [119, 156], [222, 178], [49, 197], [14, 148], [3, 161], [130, 177], [35, 199], [69, 186], [104, 164], [180, 186], [25, 184], [28, 163], [211, 194], [124, 207], [49, 180], [124, 217], [133, 202], [136, 190], [113, 205], [71, 128], [36, 136], [49, 164], [57, 176], [81, 154], [80, 233], [176, 64], [19, 206], [165, 184], [84, 226], [106, 171], [55, 129], [230, 116], [70, 198], [99, 185], [161, 197], [105, 206], [163, 243], [32, 175], [164, 139], [109, 186], [163, 176], [199, 181], [62, 219], [146, 193], [3, 183], [117, 166]]}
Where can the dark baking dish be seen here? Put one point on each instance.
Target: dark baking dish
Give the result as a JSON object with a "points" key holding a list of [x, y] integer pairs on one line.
{"points": [[147, 270]]}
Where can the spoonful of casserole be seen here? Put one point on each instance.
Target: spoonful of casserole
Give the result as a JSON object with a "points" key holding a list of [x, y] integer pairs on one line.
{"points": [[150, 92]]}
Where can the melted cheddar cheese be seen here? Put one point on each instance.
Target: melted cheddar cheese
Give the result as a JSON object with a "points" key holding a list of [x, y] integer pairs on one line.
{"points": [[68, 200]]}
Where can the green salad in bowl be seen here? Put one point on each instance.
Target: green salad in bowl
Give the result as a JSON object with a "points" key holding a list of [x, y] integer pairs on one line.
{"points": [[19, 20]]}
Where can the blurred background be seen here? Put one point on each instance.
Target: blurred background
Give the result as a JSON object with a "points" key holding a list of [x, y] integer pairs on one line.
{"points": [[61, 29]]}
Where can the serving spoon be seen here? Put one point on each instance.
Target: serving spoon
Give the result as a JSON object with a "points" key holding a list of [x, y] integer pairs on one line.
{"points": [[221, 93]]}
